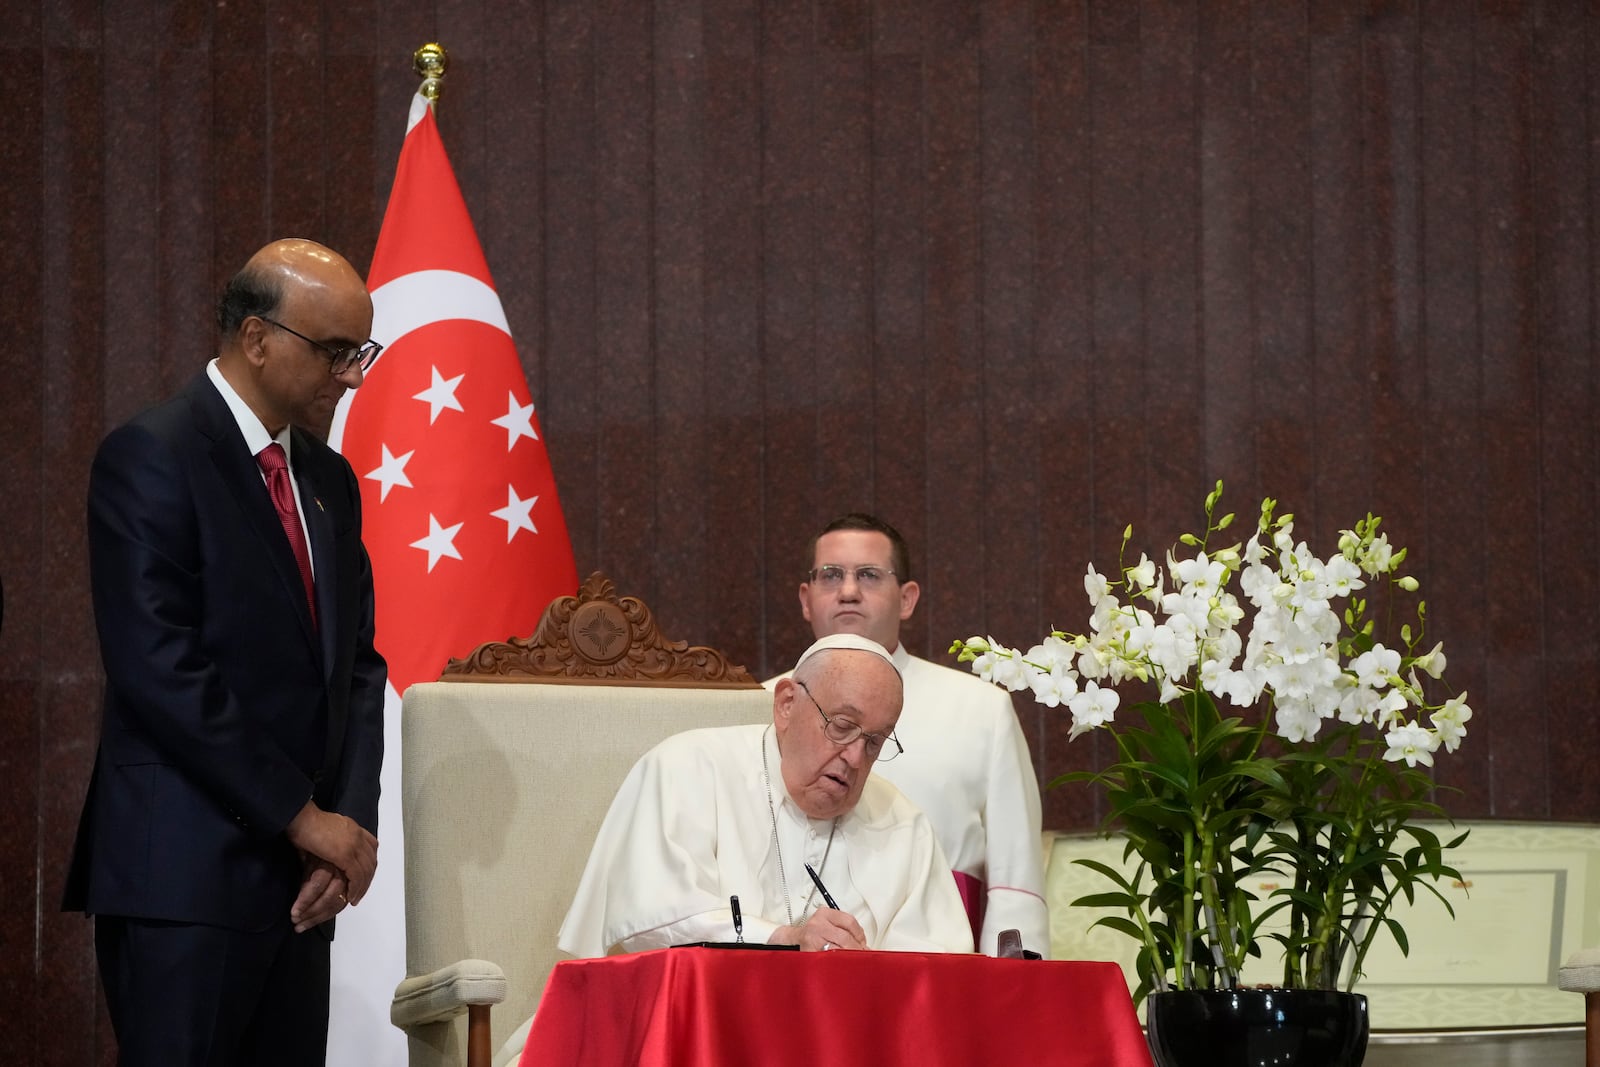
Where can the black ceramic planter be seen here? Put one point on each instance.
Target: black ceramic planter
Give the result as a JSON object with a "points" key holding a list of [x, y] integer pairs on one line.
{"points": [[1257, 1028]]}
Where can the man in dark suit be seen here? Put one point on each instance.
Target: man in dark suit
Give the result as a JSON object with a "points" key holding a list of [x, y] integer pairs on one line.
{"points": [[234, 802]]}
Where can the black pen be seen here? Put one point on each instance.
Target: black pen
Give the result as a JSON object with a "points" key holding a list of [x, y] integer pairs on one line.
{"points": [[826, 897]]}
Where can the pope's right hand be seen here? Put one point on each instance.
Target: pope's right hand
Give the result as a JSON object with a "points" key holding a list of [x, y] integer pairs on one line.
{"points": [[826, 929]]}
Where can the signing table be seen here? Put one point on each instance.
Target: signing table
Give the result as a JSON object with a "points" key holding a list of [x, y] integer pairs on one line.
{"points": [[708, 1007]]}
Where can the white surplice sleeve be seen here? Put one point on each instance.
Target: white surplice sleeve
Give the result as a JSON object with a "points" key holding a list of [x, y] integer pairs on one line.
{"points": [[1016, 853], [897, 865]]}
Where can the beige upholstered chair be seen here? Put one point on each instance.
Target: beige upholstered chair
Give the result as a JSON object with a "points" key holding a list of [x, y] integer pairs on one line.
{"points": [[509, 763]]}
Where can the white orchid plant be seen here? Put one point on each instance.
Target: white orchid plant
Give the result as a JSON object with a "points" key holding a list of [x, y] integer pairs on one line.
{"points": [[1326, 802]]}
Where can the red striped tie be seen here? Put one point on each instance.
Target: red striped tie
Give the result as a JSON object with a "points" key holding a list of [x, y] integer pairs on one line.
{"points": [[275, 465]]}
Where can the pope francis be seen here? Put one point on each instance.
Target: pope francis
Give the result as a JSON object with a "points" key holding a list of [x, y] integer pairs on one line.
{"points": [[788, 817]]}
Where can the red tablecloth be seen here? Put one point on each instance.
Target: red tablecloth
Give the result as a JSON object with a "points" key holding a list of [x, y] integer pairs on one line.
{"points": [[706, 1007]]}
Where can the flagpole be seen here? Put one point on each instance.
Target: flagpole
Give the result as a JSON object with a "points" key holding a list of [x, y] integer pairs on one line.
{"points": [[429, 62]]}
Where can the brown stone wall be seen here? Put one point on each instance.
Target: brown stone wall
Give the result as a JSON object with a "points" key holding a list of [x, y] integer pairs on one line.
{"points": [[1012, 275]]}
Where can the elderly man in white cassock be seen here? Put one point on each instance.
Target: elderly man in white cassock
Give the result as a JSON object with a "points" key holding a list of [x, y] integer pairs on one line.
{"points": [[743, 810]]}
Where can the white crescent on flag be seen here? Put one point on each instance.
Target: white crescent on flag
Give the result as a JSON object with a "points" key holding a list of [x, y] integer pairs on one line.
{"points": [[419, 299]]}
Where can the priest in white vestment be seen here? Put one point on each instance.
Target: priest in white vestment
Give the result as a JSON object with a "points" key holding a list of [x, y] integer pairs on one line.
{"points": [[743, 810], [967, 764]]}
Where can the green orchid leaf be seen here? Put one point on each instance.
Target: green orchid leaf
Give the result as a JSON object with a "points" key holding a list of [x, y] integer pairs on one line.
{"points": [[1398, 932], [1119, 924], [1130, 901], [1109, 872]]}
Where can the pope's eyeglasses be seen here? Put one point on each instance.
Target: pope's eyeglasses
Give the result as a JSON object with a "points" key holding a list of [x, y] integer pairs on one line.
{"points": [[843, 732]]}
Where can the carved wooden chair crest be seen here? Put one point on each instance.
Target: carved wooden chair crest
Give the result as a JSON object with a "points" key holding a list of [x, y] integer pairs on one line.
{"points": [[599, 637]]}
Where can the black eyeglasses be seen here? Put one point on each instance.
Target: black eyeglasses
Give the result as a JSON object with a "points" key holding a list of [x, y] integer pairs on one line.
{"points": [[339, 359], [844, 732]]}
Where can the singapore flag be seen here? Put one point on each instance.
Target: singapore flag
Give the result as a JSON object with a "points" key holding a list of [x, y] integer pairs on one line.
{"points": [[460, 515]]}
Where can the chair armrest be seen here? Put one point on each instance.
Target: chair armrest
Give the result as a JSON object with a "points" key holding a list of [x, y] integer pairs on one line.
{"points": [[446, 993], [1581, 973]]}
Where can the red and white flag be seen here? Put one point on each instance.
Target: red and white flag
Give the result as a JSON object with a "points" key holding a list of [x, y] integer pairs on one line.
{"points": [[466, 535], [460, 515]]}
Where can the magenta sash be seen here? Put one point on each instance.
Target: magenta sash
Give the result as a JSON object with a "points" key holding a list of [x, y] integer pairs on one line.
{"points": [[972, 899]]}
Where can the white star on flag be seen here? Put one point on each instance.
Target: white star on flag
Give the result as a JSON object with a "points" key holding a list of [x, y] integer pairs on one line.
{"points": [[517, 514], [440, 395], [518, 421], [441, 541], [391, 472]]}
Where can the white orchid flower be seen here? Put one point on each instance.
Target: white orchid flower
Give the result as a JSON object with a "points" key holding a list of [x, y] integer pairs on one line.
{"points": [[1191, 603], [1091, 707], [1432, 662], [1451, 721], [1013, 672], [1299, 679], [1343, 577], [1143, 576], [1411, 743], [983, 666], [1358, 704], [1245, 687], [1378, 556], [1094, 661], [1324, 698], [1375, 667], [1095, 584], [1201, 574], [1297, 723], [1054, 687], [1052, 653], [1390, 706], [1106, 616], [993, 655], [1224, 614], [1257, 582]]}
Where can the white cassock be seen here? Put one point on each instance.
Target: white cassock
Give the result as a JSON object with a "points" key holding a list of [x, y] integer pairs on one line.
{"points": [[691, 826], [966, 765]]}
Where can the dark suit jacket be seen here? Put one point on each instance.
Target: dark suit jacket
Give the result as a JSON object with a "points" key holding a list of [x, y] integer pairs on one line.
{"points": [[225, 710]]}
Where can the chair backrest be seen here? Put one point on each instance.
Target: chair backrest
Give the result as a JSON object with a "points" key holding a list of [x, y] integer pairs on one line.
{"points": [[504, 783]]}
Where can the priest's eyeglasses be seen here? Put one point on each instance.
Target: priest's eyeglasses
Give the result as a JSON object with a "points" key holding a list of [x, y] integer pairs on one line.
{"points": [[831, 576], [844, 732], [339, 359]]}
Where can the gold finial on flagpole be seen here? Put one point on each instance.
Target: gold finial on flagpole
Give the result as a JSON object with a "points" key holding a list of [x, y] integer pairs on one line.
{"points": [[429, 63]]}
